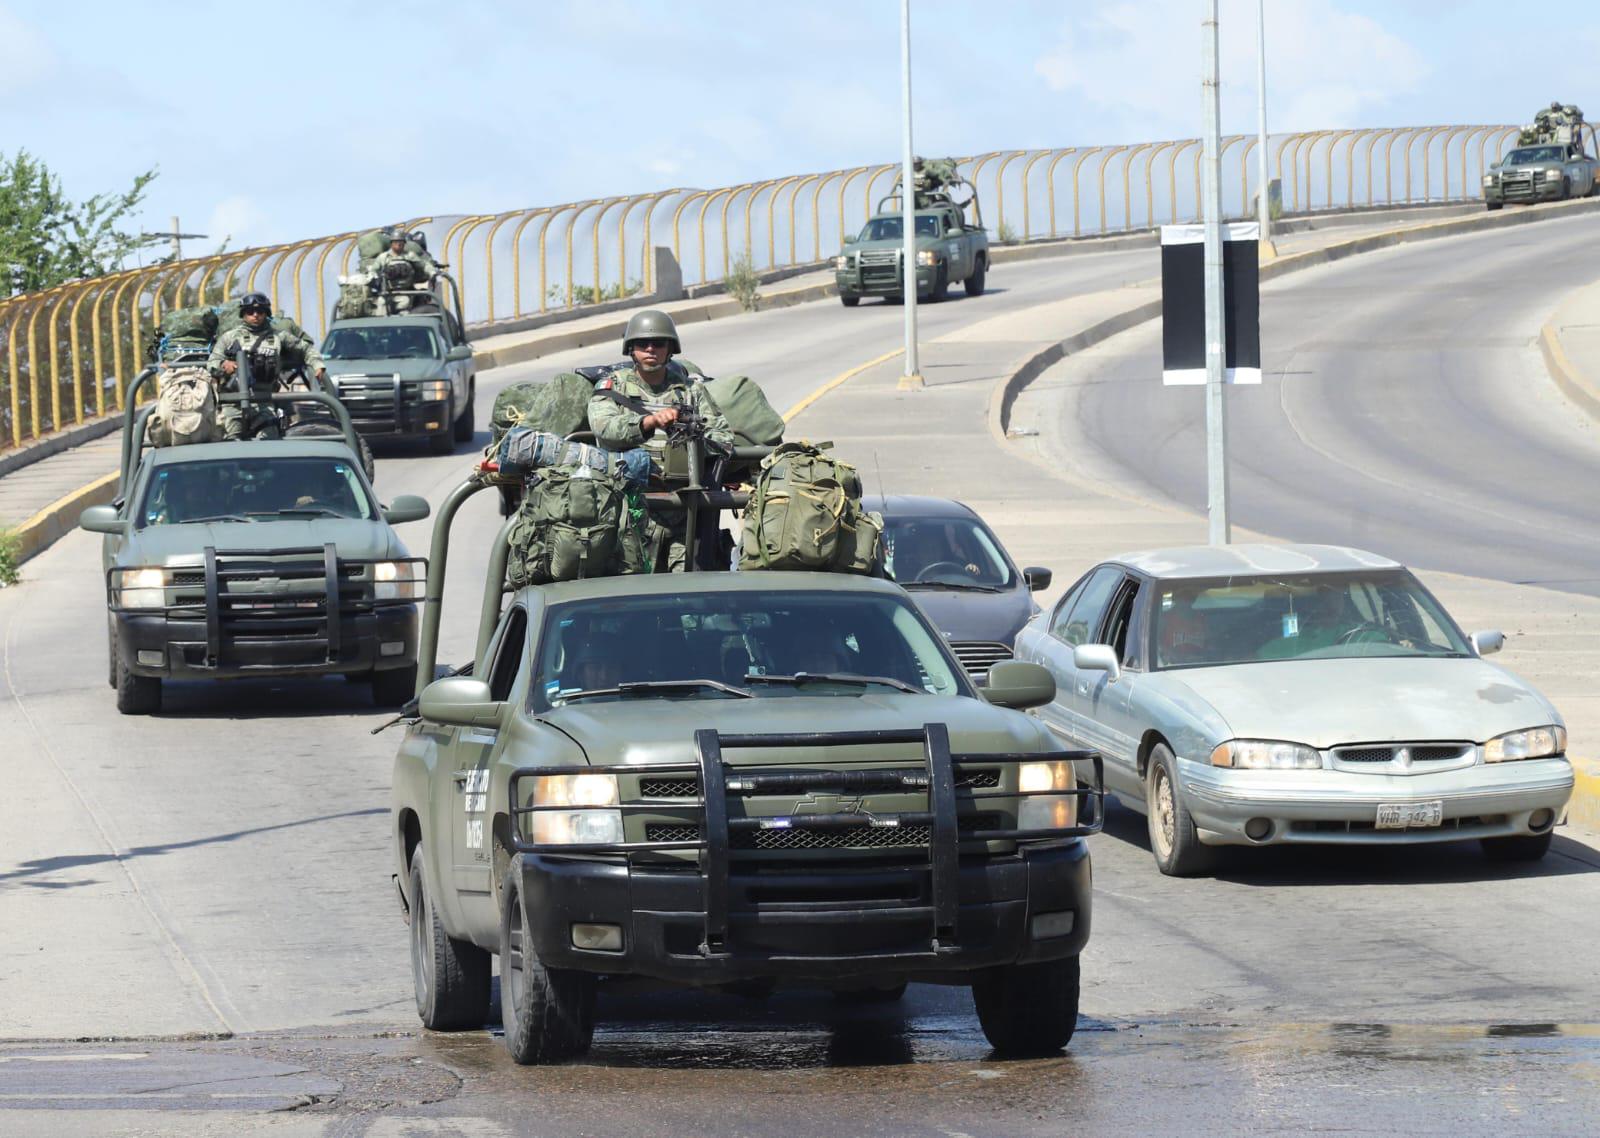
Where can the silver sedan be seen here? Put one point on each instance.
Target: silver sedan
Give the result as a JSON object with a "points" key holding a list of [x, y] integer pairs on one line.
{"points": [[1260, 694]]}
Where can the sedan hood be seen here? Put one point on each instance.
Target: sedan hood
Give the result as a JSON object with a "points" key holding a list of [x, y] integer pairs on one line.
{"points": [[662, 730], [184, 544], [1327, 703], [968, 615]]}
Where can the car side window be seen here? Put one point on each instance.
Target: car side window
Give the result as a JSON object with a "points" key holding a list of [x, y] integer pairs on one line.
{"points": [[509, 654], [1058, 619], [1123, 632], [1089, 610]]}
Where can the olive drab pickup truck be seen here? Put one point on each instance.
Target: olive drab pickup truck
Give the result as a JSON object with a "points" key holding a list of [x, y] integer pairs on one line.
{"points": [[1551, 171], [256, 557], [733, 780], [951, 247]]}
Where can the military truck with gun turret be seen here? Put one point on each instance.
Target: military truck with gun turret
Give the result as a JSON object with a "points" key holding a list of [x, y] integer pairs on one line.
{"points": [[734, 781], [951, 242], [262, 556], [397, 350], [1548, 163]]}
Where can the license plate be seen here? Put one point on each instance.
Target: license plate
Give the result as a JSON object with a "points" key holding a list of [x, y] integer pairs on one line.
{"points": [[1410, 815]]}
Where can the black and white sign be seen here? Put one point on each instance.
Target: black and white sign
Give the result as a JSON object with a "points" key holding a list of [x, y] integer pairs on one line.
{"points": [[1183, 304]]}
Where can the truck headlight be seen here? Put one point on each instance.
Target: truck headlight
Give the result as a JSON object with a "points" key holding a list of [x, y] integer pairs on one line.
{"points": [[841, 262], [584, 788], [1488, 179], [1047, 812], [398, 580], [1530, 743], [435, 390], [927, 257], [1265, 755], [577, 827], [142, 588], [1040, 777]]}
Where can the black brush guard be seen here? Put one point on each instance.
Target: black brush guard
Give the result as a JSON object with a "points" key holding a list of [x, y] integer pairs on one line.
{"points": [[719, 783]]}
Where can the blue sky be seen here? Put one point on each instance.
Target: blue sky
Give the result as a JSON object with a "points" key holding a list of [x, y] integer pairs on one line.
{"points": [[293, 119]]}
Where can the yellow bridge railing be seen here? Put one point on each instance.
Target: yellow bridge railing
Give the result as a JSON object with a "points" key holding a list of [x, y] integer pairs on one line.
{"points": [[67, 353]]}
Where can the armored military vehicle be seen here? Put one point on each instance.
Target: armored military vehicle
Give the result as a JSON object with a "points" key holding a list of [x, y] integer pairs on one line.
{"points": [[952, 244], [1548, 164], [397, 350], [732, 780], [255, 557]]}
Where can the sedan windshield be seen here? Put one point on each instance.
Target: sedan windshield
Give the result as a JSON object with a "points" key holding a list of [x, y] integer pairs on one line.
{"points": [[943, 552], [250, 489], [729, 645], [1535, 154], [1322, 616], [890, 228], [409, 342]]}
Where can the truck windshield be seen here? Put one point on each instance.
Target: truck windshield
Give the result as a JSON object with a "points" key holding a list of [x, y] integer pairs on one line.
{"points": [[253, 489], [889, 228], [771, 645], [1313, 617], [408, 342], [1535, 154]]}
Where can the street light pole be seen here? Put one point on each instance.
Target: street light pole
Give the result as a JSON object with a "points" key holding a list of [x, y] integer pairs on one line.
{"points": [[1263, 212], [912, 376], [1219, 532]]}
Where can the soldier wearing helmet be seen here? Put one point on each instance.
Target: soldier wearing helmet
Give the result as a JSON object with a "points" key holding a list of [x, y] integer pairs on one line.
{"points": [[274, 355], [400, 252], [653, 377]]}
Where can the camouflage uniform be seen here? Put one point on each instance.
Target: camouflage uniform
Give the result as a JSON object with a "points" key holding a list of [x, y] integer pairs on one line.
{"points": [[618, 428], [285, 351], [422, 267]]}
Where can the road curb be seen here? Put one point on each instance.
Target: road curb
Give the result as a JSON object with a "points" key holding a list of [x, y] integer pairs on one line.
{"points": [[1571, 380], [58, 518], [1584, 807]]}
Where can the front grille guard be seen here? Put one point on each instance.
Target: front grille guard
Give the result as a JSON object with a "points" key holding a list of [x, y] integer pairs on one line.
{"points": [[937, 777], [221, 566]]}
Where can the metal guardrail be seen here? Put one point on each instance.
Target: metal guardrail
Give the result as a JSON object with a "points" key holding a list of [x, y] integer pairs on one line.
{"points": [[67, 353]]}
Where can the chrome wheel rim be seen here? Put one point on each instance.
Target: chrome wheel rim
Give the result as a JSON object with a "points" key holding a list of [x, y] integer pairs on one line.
{"points": [[1163, 815]]}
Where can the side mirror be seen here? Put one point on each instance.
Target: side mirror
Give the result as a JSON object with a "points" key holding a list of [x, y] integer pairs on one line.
{"points": [[460, 702], [850, 239], [102, 519], [1487, 643], [459, 352], [406, 508], [1038, 579], [1097, 658], [1019, 684]]}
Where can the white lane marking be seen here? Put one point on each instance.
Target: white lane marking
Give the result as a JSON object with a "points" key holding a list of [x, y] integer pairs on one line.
{"points": [[108, 1057]]}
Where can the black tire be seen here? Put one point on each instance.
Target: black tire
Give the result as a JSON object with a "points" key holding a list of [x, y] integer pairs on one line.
{"points": [[1028, 1009], [1523, 847], [443, 441], [1174, 842], [467, 421], [974, 284], [394, 686], [1566, 189], [548, 1013], [941, 285], [890, 995], [849, 301], [111, 652], [137, 695], [451, 977], [1492, 206]]}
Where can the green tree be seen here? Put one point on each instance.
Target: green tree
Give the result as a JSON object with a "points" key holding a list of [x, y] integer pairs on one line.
{"points": [[47, 239]]}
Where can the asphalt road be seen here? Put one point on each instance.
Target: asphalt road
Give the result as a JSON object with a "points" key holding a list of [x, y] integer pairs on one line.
{"points": [[1402, 409], [222, 871]]}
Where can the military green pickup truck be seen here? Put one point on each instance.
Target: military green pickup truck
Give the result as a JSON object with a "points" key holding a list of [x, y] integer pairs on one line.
{"points": [[949, 248], [1553, 171], [736, 781], [256, 557], [409, 375]]}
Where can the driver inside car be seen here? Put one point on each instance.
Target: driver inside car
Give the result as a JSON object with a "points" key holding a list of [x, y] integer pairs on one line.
{"points": [[1312, 622]]}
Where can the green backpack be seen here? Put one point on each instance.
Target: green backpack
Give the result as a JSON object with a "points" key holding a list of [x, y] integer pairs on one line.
{"points": [[558, 406], [574, 523], [190, 325], [749, 414], [805, 513]]}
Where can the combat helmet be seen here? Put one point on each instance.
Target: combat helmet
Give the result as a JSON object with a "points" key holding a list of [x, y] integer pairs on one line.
{"points": [[648, 325], [255, 300]]}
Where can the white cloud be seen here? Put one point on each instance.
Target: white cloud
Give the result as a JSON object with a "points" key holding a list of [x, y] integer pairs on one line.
{"points": [[26, 57], [1138, 65]]}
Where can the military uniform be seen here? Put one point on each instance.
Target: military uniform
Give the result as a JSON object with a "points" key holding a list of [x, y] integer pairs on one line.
{"points": [[617, 427], [422, 268], [277, 352]]}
